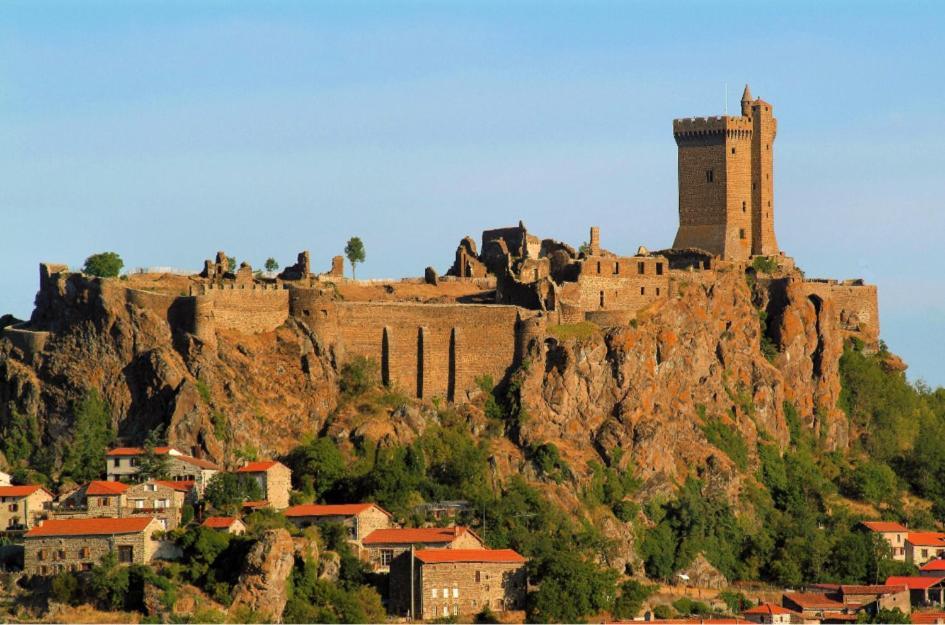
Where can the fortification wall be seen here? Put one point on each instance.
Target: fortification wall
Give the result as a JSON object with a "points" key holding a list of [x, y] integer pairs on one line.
{"points": [[855, 304], [30, 342], [618, 283], [425, 350], [250, 309]]}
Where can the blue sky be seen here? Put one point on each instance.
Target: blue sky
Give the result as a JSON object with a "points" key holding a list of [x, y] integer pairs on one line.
{"points": [[166, 131]]}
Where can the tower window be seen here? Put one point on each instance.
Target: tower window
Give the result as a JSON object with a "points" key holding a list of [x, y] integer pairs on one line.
{"points": [[741, 233], [601, 299], [616, 268], [754, 186], [769, 203], [743, 206], [598, 266], [709, 175], [642, 290], [659, 269], [657, 291], [733, 150]]}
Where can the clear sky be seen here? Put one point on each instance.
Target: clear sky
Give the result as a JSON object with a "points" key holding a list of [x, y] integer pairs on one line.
{"points": [[169, 130]]}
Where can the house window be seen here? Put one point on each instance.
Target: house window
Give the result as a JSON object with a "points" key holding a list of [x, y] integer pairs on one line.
{"points": [[133, 462], [86, 566], [41, 555], [741, 233], [641, 268], [84, 552], [455, 592], [744, 206], [455, 609], [446, 593], [657, 291], [14, 507], [659, 269], [386, 556], [353, 529], [709, 175], [478, 576], [42, 570], [150, 487], [139, 504], [125, 553], [733, 150], [61, 554]]}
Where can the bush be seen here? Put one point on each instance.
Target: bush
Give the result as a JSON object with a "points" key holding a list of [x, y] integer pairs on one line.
{"points": [[632, 596], [92, 435], [873, 482], [358, 376], [547, 459], [103, 265], [764, 264], [728, 439], [64, 587], [226, 491]]}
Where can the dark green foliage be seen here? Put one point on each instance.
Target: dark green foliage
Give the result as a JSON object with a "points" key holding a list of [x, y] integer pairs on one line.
{"points": [[874, 482], [186, 514], [486, 616], [92, 436], [103, 265], [547, 459], [231, 264], [728, 439], [153, 465], [213, 560], [20, 437], [64, 588], [358, 376], [663, 611], [317, 464], [768, 347], [764, 264], [271, 264], [571, 589], [354, 251], [686, 607], [894, 615], [226, 491], [736, 602], [631, 598], [612, 487]]}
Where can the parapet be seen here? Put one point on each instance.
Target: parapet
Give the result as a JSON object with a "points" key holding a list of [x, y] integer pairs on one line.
{"points": [[701, 127]]}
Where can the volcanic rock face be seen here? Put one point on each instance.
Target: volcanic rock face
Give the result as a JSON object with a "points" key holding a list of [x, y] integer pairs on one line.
{"points": [[261, 588]]}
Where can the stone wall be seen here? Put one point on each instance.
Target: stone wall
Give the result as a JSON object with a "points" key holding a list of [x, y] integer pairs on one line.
{"points": [[425, 350], [250, 310], [610, 283], [855, 304], [30, 342], [23, 511], [49, 555]]}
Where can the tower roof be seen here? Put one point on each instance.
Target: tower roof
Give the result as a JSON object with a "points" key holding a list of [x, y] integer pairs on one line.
{"points": [[746, 95]]}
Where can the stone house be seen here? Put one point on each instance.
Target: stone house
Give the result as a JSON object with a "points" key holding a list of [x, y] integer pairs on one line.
{"points": [[933, 568], [384, 545], [79, 544], [98, 498], [274, 479], [5, 478], [228, 524], [816, 606], [121, 464], [360, 518], [893, 533], [160, 499], [923, 590], [867, 598], [456, 582], [22, 506], [924, 546], [769, 613]]}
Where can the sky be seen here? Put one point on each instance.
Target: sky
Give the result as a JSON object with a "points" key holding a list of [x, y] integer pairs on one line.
{"points": [[166, 131]]}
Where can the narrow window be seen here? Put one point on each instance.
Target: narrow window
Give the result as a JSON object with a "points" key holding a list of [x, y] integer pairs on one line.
{"points": [[598, 266], [601, 299], [641, 268], [709, 175], [478, 576], [125, 553], [769, 203], [741, 233], [733, 150], [434, 593], [616, 268], [642, 290], [659, 269], [743, 206], [657, 291]]}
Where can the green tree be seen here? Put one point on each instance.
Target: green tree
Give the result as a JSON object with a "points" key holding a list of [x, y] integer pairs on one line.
{"points": [[317, 465], [571, 589], [103, 265], [354, 250], [271, 264], [153, 465], [92, 434], [231, 264], [64, 587], [226, 491], [632, 596], [21, 437]]}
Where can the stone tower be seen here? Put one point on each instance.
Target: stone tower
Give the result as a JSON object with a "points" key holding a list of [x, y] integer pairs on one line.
{"points": [[726, 184]]}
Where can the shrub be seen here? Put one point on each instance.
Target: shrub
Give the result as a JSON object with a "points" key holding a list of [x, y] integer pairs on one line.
{"points": [[103, 265], [632, 596], [728, 439], [574, 331], [63, 587], [358, 376], [764, 264], [547, 459]]}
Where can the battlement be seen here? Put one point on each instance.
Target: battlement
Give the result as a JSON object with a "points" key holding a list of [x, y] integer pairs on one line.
{"points": [[724, 125], [253, 287]]}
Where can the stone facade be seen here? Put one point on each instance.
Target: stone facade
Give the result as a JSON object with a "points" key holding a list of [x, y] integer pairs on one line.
{"points": [[21, 507], [457, 582], [80, 544], [158, 499], [274, 479], [384, 545], [361, 518]]}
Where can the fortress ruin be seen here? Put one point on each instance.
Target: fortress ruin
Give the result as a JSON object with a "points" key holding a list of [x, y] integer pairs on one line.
{"points": [[432, 336]]}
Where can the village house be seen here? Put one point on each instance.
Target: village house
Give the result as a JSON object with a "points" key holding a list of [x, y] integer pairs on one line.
{"points": [[79, 544], [928, 618], [924, 590], [228, 524], [818, 606], [933, 568], [768, 613], [359, 518], [868, 598], [161, 499], [98, 498], [893, 533], [121, 464], [384, 545], [924, 546], [22, 506], [5, 478], [454, 582], [274, 479]]}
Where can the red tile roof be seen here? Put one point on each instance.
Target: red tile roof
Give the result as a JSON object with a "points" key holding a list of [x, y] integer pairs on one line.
{"points": [[341, 509], [813, 600], [874, 589], [433, 556], [768, 608], [915, 583], [90, 527], [184, 486], [100, 487], [938, 564], [256, 503], [136, 451], [198, 462], [258, 467], [926, 539], [219, 522], [929, 618], [413, 535], [21, 491], [885, 526]]}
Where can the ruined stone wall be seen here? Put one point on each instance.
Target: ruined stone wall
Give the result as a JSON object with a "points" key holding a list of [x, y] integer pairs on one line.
{"points": [[425, 350], [618, 283], [30, 342], [855, 305], [249, 310]]}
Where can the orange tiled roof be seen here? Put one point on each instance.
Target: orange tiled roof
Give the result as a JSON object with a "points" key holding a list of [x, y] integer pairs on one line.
{"points": [[768, 608], [412, 535], [915, 583], [813, 600], [926, 539], [433, 556], [930, 618], [136, 451], [873, 589], [219, 522], [257, 467], [198, 462], [184, 486], [938, 564], [101, 487], [884, 526], [341, 509], [21, 491], [90, 527], [256, 503]]}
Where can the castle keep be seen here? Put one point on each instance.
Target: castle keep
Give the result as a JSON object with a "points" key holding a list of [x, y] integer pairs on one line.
{"points": [[434, 336]]}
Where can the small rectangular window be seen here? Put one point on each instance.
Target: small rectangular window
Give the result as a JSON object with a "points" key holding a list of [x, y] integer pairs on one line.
{"points": [[709, 175], [642, 290], [733, 150], [434, 593], [657, 291], [659, 269], [125, 553], [741, 233], [641, 268]]}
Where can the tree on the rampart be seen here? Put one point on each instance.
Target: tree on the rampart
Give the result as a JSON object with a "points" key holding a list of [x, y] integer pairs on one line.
{"points": [[103, 265], [271, 264], [354, 250], [231, 264]]}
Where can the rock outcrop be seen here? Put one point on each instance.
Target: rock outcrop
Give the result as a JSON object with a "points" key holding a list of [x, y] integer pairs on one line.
{"points": [[261, 588]]}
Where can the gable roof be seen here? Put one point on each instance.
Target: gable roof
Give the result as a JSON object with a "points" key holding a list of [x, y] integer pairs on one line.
{"points": [[198, 462], [926, 539], [915, 583], [884, 526], [768, 608], [873, 589], [938, 564], [101, 487], [413, 535], [813, 600], [259, 466], [138, 451], [24, 490], [253, 504], [184, 486], [90, 527], [219, 522], [433, 556], [927, 617], [341, 509]]}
